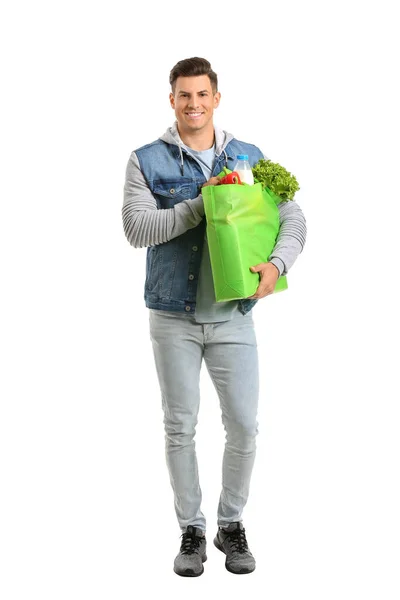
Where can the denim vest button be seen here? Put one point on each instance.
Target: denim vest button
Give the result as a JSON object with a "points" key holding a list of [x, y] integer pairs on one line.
{"points": [[187, 308], [194, 248], [191, 277], [172, 191]]}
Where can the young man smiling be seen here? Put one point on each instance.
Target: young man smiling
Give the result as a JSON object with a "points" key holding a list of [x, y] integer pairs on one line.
{"points": [[163, 211], [194, 100]]}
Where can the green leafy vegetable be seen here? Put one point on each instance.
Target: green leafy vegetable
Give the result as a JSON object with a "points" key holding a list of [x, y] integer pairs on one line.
{"points": [[276, 178]]}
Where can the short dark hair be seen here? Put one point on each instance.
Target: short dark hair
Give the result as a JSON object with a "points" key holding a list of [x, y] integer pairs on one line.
{"points": [[192, 67]]}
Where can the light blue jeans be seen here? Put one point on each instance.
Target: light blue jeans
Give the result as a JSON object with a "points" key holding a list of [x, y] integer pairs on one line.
{"points": [[229, 349]]}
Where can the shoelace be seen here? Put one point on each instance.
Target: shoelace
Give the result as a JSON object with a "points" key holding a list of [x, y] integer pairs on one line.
{"points": [[237, 541], [190, 543]]}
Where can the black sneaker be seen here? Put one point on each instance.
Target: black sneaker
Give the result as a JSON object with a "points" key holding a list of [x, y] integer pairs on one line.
{"points": [[232, 542], [189, 562]]}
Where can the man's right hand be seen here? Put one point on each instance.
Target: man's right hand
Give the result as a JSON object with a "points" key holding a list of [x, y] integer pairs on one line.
{"points": [[212, 181]]}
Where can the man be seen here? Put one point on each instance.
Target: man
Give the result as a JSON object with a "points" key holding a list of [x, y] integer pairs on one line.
{"points": [[163, 210]]}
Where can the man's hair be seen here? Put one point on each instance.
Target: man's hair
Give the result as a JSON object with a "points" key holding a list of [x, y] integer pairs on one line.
{"points": [[192, 67]]}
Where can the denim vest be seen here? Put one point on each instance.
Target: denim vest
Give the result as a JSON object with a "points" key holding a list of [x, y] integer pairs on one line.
{"points": [[172, 268]]}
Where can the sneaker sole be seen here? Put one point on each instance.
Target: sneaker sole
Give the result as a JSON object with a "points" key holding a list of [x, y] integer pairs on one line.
{"points": [[243, 571], [190, 572]]}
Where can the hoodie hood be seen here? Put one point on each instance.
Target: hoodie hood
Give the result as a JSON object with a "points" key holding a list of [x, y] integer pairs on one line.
{"points": [[222, 139]]}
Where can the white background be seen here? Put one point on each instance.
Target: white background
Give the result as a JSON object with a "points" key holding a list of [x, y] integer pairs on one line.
{"points": [[86, 504]]}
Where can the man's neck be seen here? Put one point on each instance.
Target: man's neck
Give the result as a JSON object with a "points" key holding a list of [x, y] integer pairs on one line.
{"points": [[198, 140]]}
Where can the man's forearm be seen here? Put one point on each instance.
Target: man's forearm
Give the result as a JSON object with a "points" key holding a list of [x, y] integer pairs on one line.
{"points": [[146, 225], [291, 237]]}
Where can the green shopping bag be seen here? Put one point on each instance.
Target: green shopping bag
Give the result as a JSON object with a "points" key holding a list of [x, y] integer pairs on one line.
{"points": [[242, 227]]}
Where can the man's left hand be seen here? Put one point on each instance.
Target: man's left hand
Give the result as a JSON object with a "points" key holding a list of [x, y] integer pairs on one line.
{"points": [[269, 275]]}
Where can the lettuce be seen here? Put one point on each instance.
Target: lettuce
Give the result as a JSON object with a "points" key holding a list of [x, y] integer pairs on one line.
{"points": [[276, 178]]}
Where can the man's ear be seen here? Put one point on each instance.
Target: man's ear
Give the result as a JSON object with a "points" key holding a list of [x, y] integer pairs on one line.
{"points": [[172, 100], [217, 99]]}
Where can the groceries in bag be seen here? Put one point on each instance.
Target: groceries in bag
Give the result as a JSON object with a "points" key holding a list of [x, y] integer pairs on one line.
{"points": [[242, 227]]}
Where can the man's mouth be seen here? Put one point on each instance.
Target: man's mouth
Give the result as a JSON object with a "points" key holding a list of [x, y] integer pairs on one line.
{"points": [[194, 115]]}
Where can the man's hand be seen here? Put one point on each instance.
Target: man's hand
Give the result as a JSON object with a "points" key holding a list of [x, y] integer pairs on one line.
{"points": [[269, 275], [212, 181]]}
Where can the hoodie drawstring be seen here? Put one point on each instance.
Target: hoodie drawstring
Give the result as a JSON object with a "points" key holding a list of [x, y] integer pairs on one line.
{"points": [[182, 162], [181, 153]]}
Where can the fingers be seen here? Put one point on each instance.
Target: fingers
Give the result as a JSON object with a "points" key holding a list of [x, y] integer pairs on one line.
{"points": [[263, 291], [212, 181]]}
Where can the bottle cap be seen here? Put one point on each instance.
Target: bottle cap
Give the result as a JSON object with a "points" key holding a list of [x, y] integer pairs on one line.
{"points": [[242, 157]]}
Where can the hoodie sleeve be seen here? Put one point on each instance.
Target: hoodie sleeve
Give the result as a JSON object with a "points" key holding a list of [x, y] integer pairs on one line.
{"points": [[144, 224], [291, 237]]}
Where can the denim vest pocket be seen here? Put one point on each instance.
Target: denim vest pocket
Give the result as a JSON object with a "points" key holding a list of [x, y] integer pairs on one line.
{"points": [[171, 191]]}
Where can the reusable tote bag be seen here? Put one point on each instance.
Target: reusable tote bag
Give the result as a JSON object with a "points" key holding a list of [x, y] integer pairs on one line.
{"points": [[242, 227]]}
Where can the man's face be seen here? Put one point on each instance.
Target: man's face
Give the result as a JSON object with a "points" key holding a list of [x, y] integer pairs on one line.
{"points": [[194, 103]]}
